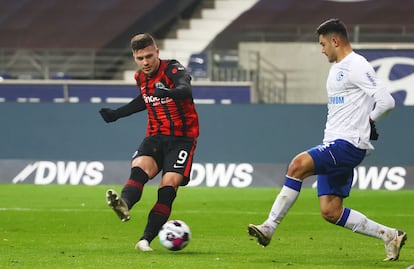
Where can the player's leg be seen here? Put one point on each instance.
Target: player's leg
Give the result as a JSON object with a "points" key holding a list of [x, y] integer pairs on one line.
{"points": [[176, 169], [333, 211], [143, 167], [300, 167], [161, 210], [336, 184]]}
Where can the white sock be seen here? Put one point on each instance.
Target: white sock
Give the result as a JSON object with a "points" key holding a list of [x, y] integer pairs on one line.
{"points": [[284, 201], [358, 222]]}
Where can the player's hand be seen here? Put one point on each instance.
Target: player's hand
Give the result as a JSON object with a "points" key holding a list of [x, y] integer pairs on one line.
{"points": [[374, 134], [161, 92], [109, 115]]}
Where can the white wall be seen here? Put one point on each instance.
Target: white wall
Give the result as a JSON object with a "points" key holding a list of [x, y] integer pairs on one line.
{"points": [[307, 68], [305, 65]]}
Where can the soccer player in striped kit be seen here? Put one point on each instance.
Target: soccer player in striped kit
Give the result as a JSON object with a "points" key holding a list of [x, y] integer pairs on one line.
{"points": [[165, 92], [356, 99]]}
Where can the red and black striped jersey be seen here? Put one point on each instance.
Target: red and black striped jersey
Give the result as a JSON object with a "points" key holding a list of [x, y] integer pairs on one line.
{"points": [[174, 115]]}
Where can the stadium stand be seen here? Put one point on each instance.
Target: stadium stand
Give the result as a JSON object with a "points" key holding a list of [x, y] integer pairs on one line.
{"points": [[296, 20], [82, 24], [203, 27], [88, 39], [85, 38]]}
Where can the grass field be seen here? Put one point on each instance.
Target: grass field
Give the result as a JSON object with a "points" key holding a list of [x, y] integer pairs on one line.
{"points": [[57, 226]]}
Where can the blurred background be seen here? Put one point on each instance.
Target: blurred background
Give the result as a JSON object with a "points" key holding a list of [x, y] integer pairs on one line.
{"points": [[271, 44], [60, 61]]}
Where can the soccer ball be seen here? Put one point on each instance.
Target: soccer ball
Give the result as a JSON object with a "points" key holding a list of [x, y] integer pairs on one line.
{"points": [[174, 235]]}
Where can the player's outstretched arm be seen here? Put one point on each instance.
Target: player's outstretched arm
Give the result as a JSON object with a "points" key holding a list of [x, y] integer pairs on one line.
{"points": [[111, 115]]}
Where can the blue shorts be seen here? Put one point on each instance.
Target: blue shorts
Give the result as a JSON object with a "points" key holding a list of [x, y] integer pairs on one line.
{"points": [[334, 166]]}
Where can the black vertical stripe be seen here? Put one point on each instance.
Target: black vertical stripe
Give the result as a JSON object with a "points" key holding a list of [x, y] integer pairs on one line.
{"points": [[182, 117], [168, 115], [147, 92], [165, 106], [154, 111]]}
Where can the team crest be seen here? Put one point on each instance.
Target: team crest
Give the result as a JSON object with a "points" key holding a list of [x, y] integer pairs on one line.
{"points": [[340, 76], [159, 85]]}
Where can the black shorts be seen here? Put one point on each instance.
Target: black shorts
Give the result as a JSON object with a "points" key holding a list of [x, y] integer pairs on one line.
{"points": [[172, 153]]}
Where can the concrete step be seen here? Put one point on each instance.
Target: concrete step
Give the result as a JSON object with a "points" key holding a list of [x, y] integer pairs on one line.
{"points": [[211, 14], [194, 34], [184, 44], [234, 4], [209, 23]]}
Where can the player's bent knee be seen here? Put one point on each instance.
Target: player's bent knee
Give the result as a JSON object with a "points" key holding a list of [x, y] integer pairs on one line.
{"points": [[331, 216], [299, 167], [172, 179], [147, 164], [295, 167]]}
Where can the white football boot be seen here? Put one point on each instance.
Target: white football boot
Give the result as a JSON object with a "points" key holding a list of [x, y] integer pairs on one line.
{"points": [[393, 247], [143, 245], [262, 232]]}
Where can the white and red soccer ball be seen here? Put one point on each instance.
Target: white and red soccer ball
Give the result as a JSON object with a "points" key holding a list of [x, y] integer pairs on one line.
{"points": [[174, 235]]}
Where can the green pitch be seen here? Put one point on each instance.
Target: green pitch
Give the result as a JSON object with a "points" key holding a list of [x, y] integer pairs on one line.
{"points": [[72, 227]]}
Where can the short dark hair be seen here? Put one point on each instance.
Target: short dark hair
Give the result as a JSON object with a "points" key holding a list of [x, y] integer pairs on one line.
{"points": [[332, 26], [141, 41]]}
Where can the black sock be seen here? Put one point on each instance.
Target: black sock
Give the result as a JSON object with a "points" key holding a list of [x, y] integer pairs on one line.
{"points": [[132, 191], [160, 213]]}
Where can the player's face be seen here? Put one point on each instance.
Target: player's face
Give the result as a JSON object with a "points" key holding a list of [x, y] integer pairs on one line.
{"points": [[147, 59], [328, 47]]}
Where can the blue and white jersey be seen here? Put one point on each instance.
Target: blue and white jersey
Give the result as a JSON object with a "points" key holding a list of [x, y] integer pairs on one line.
{"points": [[352, 87]]}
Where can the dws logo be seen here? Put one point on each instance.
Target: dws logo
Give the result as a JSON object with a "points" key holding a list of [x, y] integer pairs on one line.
{"points": [[222, 175], [375, 178], [73, 173]]}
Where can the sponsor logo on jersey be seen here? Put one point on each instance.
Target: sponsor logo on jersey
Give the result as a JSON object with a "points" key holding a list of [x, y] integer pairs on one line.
{"points": [[371, 79], [335, 100], [156, 101]]}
